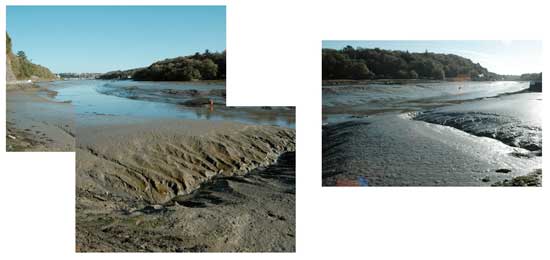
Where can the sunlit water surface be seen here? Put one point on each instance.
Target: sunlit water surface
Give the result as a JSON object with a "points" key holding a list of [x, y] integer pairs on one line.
{"points": [[93, 98]]}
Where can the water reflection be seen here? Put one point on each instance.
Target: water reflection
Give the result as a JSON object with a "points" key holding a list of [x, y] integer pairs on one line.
{"points": [[344, 102], [90, 99]]}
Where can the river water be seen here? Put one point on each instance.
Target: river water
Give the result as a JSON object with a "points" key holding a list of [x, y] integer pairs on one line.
{"points": [[340, 102], [95, 100]]}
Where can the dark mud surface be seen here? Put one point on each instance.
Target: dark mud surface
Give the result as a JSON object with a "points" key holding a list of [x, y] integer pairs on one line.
{"points": [[393, 150], [514, 119], [431, 137], [182, 94]]}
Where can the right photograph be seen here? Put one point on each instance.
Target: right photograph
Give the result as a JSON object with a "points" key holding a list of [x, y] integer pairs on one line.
{"points": [[432, 113]]}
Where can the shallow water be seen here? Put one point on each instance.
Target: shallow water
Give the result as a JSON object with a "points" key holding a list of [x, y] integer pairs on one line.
{"points": [[95, 98], [340, 102]]}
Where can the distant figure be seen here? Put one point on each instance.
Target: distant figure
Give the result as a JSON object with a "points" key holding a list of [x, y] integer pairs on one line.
{"points": [[211, 105]]}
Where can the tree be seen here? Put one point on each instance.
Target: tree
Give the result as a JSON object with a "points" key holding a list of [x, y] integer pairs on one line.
{"points": [[358, 70], [22, 68], [206, 66], [22, 55], [190, 73], [208, 69], [345, 64], [334, 66]]}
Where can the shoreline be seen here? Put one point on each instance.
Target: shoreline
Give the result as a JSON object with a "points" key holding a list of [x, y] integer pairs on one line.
{"points": [[34, 122], [337, 82], [191, 82]]}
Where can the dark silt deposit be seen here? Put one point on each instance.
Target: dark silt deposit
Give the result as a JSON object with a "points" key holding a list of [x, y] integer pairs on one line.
{"points": [[492, 118], [506, 129], [402, 139], [175, 94]]}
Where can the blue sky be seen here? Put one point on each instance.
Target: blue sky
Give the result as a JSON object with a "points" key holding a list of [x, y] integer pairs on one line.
{"points": [[106, 38], [502, 57]]}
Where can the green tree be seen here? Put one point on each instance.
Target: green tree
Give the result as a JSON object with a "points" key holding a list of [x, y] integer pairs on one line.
{"points": [[22, 55], [208, 69], [342, 64], [206, 66], [359, 70]]}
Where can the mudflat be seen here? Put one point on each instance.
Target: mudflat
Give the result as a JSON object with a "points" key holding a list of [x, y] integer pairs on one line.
{"points": [[445, 134], [185, 185], [395, 150], [35, 122]]}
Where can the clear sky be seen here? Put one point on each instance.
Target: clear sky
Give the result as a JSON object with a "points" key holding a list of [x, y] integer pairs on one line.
{"points": [[106, 38], [502, 57]]}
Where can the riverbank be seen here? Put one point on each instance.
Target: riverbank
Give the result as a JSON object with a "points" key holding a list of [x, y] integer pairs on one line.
{"points": [[35, 122], [185, 185], [352, 82], [339, 82]]}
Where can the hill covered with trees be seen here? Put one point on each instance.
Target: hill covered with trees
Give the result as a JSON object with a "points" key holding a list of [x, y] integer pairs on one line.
{"points": [[531, 76], [119, 74], [205, 66], [360, 63], [22, 68]]}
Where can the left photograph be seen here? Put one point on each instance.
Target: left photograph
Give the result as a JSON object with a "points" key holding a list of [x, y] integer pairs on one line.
{"points": [[162, 164]]}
